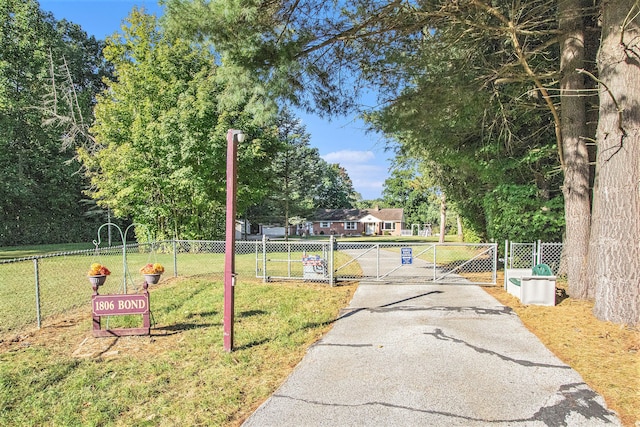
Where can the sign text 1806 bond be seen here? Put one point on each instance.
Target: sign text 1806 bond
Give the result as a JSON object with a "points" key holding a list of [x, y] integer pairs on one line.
{"points": [[114, 305]]}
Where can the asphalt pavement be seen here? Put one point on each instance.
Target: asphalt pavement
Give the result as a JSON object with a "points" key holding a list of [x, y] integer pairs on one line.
{"points": [[431, 355]]}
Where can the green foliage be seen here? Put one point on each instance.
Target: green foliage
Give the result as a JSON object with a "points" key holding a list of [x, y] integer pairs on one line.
{"points": [[294, 172], [336, 188], [457, 98], [407, 189], [268, 46], [161, 147], [300, 181], [40, 189], [470, 234], [470, 141], [518, 213]]}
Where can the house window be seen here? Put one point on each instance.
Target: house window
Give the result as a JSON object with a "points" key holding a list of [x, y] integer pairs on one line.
{"points": [[325, 224], [350, 225], [388, 225]]}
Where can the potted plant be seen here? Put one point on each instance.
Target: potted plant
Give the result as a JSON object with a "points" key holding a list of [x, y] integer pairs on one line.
{"points": [[152, 273], [98, 274]]}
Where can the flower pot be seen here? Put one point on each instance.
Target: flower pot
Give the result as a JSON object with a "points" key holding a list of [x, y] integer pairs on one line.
{"points": [[151, 279], [97, 280]]}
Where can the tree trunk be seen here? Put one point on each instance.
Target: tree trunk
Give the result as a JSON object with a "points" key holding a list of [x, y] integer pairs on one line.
{"points": [[616, 231], [460, 229], [443, 218], [577, 203]]}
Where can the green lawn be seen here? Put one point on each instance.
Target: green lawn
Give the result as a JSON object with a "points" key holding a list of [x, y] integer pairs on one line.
{"points": [[180, 376]]}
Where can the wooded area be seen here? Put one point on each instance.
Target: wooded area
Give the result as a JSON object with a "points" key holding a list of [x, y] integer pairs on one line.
{"points": [[135, 126], [40, 187], [465, 85], [523, 115]]}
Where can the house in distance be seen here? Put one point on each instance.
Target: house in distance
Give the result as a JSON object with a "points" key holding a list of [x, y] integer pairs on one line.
{"points": [[376, 221]]}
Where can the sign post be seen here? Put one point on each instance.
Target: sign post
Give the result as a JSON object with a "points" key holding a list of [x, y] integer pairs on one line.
{"points": [[233, 137]]}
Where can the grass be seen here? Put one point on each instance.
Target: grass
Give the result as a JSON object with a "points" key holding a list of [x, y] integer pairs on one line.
{"points": [[61, 375], [605, 354], [180, 375]]}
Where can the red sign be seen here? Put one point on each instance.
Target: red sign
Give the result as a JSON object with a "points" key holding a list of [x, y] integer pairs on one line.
{"points": [[115, 305]]}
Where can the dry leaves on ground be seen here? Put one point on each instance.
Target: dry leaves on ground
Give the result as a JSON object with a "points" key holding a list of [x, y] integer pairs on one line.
{"points": [[605, 354]]}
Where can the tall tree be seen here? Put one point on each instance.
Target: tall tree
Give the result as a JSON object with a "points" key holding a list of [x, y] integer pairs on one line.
{"points": [[614, 250], [41, 197], [335, 190], [159, 156], [478, 145], [407, 189], [293, 174], [300, 180], [572, 26]]}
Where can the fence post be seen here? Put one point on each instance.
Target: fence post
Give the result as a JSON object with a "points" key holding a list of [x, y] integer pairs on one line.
{"points": [[332, 245], [288, 259], [37, 277], [175, 258], [435, 248], [264, 258], [495, 263], [507, 262], [539, 252], [255, 251], [377, 261], [506, 254]]}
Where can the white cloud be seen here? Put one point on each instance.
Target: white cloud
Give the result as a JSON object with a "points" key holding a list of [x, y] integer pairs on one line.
{"points": [[368, 179], [366, 172], [345, 157]]}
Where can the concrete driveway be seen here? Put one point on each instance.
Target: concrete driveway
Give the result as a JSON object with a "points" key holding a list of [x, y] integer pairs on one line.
{"points": [[431, 355]]}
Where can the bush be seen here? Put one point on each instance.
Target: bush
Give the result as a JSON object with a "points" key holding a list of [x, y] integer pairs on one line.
{"points": [[519, 213]]}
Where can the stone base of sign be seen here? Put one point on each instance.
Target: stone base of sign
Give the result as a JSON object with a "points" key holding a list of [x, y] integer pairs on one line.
{"points": [[121, 305]]}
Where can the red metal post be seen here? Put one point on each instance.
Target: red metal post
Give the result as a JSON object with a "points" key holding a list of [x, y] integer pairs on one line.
{"points": [[229, 251]]}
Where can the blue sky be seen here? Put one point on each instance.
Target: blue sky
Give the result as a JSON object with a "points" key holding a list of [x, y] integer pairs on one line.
{"points": [[341, 140]]}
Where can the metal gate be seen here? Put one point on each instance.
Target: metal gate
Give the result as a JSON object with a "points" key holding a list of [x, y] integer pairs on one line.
{"points": [[473, 263], [294, 259], [332, 260]]}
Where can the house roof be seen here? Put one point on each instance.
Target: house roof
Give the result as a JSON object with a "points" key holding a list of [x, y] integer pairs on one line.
{"points": [[385, 214]]}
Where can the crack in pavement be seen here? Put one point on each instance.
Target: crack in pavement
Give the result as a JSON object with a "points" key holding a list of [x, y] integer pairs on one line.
{"points": [[438, 334], [576, 398]]}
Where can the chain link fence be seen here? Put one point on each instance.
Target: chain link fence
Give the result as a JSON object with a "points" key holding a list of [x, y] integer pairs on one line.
{"points": [[34, 288], [417, 262], [527, 255]]}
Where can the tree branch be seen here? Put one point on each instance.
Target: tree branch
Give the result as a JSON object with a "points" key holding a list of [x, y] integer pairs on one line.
{"points": [[618, 110], [511, 30]]}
